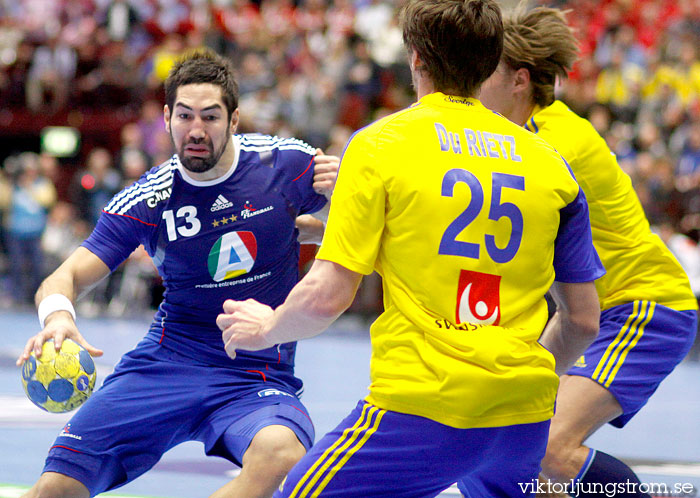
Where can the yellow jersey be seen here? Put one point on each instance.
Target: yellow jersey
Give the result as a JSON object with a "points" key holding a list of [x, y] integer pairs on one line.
{"points": [[639, 265], [465, 215]]}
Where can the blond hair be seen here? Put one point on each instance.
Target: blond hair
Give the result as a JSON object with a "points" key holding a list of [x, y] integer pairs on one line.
{"points": [[541, 41]]}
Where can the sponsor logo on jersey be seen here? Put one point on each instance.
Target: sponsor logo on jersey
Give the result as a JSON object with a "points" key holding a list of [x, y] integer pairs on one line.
{"points": [[232, 255], [458, 100], [65, 432], [220, 203], [581, 362], [249, 210], [273, 392], [478, 298], [157, 196]]}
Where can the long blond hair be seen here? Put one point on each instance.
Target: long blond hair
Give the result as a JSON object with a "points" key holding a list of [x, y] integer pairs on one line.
{"points": [[541, 41]]}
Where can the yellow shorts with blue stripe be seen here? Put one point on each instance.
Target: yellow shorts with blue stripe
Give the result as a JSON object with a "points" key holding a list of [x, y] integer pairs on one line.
{"points": [[639, 344], [382, 453]]}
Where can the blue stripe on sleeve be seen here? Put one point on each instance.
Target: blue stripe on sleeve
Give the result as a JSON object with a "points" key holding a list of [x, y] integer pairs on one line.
{"points": [[575, 258]]}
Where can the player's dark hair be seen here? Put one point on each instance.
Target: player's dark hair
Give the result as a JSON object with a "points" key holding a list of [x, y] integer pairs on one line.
{"points": [[458, 41], [203, 66], [541, 41]]}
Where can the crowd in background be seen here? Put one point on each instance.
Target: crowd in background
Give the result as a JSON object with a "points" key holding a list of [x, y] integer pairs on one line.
{"points": [[314, 69]]}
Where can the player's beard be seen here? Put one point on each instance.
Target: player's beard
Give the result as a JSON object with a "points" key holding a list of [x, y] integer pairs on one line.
{"points": [[202, 164]]}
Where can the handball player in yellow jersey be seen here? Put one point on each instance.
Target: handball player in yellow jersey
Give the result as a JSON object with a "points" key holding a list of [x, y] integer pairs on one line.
{"points": [[469, 219], [648, 320]]}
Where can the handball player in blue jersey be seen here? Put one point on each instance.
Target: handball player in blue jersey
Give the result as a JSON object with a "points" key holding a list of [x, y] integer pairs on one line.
{"points": [[218, 219]]}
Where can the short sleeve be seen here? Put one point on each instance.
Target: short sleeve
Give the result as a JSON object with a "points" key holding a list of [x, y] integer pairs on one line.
{"points": [[297, 159], [356, 220], [115, 237], [575, 258]]}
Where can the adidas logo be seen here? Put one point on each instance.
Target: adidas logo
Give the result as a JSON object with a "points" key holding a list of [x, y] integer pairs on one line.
{"points": [[221, 203]]}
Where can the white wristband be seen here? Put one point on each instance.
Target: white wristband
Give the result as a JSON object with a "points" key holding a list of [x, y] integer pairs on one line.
{"points": [[54, 302]]}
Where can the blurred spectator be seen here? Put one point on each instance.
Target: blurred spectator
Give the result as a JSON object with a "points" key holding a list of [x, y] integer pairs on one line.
{"points": [[372, 18], [310, 15], [63, 234], [362, 86], [151, 126], [134, 164], [94, 186], [254, 74], [30, 197], [339, 136], [688, 82], [117, 77], [132, 152], [340, 18], [687, 25], [619, 85], [688, 169], [665, 199], [162, 58], [163, 148], [649, 139], [120, 18], [601, 118], [50, 74], [240, 21], [620, 41], [13, 75]]}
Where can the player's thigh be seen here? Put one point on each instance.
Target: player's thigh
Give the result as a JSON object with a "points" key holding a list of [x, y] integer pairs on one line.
{"points": [[126, 425], [232, 426], [369, 454], [508, 464], [375, 452], [583, 406], [638, 345]]}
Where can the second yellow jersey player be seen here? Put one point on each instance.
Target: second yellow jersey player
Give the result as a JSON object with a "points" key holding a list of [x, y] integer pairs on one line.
{"points": [[638, 263], [648, 317]]}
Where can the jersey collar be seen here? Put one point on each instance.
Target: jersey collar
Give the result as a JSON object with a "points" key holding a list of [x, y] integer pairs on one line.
{"points": [[454, 101], [208, 183], [531, 125]]}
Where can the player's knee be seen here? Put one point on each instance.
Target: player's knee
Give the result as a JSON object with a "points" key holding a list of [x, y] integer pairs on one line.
{"points": [[277, 448], [557, 463], [53, 485]]}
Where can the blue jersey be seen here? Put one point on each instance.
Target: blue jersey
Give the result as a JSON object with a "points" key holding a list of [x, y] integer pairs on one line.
{"points": [[229, 238]]}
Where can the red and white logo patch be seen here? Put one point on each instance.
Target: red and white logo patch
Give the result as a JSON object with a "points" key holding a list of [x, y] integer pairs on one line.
{"points": [[478, 298]]}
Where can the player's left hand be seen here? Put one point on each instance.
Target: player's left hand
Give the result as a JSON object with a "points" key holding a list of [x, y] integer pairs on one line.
{"points": [[241, 325], [325, 173], [310, 229]]}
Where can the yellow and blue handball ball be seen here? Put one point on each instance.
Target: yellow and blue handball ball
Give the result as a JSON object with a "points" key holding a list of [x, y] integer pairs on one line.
{"points": [[60, 381]]}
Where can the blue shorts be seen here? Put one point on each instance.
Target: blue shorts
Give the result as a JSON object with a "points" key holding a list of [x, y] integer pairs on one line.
{"points": [[375, 452], [639, 344], [156, 399]]}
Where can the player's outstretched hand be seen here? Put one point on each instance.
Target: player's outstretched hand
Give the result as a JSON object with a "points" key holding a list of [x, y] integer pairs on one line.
{"points": [[241, 325], [325, 173], [58, 327]]}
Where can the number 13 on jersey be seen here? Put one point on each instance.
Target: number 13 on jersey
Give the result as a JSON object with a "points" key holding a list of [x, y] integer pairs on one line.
{"points": [[497, 210]]}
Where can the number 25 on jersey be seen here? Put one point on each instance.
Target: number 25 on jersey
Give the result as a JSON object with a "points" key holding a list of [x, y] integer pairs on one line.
{"points": [[497, 210]]}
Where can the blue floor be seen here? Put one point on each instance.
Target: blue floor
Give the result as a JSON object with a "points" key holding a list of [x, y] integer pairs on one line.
{"points": [[662, 441]]}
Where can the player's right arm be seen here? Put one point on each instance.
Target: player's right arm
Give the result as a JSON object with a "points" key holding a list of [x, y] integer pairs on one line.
{"points": [[81, 271], [574, 326]]}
